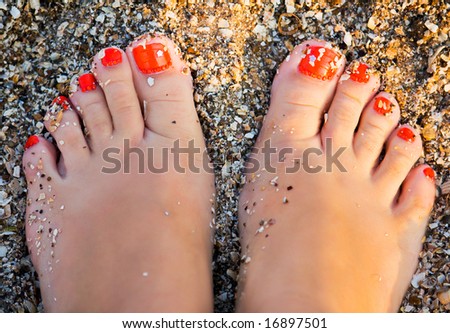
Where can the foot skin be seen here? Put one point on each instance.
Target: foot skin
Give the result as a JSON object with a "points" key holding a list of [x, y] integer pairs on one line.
{"points": [[104, 240], [331, 240]]}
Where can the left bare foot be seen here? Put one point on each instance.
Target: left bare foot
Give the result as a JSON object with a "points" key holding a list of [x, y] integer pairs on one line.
{"points": [[115, 241]]}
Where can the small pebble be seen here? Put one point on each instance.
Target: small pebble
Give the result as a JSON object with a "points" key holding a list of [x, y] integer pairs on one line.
{"points": [[431, 26], [3, 251], [15, 12], [348, 38], [444, 297]]}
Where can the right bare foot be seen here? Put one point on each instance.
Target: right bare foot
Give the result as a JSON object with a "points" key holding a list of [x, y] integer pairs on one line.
{"points": [[331, 240], [137, 241]]}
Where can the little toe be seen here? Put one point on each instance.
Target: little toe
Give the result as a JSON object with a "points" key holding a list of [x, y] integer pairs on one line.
{"points": [[355, 89], [164, 86], [91, 105], [39, 159], [112, 70], [64, 125], [379, 119], [41, 170], [417, 196], [303, 89], [403, 149]]}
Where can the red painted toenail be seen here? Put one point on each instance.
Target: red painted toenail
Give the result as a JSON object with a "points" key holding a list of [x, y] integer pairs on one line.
{"points": [[110, 57], [382, 105], [406, 134], [87, 82], [319, 62], [358, 72], [62, 101], [429, 173], [152, 58], [32, 140]]}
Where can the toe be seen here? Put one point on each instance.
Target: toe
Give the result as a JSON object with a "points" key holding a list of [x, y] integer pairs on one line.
{"points": [[40, 168], [417, 195], [112, 70], [64, 125], [403, 149], [355, 89], [379, 119], [303, 88], [91, 105], [164, 85], [39, 159]]}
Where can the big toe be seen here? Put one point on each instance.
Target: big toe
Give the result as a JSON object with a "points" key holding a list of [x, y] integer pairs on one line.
{"points": [[303, 89], [164, 86]]}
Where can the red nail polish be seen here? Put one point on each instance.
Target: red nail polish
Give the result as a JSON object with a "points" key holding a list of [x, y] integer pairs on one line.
{"points": [[152, 58], [62, 101], [110, 57], [319, 62], [406, 134], [358, 72], [382, 105], [32, 140], [429, 173], [87, 82]]}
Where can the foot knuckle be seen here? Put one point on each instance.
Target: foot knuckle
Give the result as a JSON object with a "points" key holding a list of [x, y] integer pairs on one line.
{"points": [[374, 131], [98, 125], [344, 114], [94, 104], [68, 136]]}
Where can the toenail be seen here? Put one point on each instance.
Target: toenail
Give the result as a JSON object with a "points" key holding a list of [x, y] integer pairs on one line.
{"points": [[62, 101], [55, 115], [429, 173], [406, 134], [32, 140], [87, 82], [382, 105], [319, 62], [152, 58], [110, 57], [359, 72]]}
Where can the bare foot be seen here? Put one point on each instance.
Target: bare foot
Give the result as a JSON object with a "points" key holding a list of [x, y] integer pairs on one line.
{"points": [[104, 238], [331, 229]]}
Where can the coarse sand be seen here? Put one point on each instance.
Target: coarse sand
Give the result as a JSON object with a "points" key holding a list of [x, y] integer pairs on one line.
{"points": [[233, 49]]}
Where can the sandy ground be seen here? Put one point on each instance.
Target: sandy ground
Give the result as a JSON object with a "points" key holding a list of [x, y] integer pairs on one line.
{"points": [[233, 49]]}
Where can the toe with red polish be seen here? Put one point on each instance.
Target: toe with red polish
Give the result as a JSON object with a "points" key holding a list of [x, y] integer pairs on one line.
{"points": [[319, 62], [110, 57], [429, 173], [87, 82], [359, 72], [152, 57], [32, 140], [406, 134], [382, 105], [62, 101]]}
